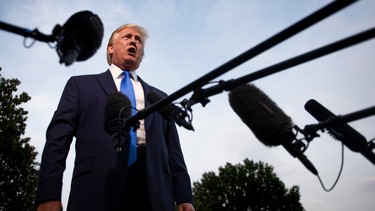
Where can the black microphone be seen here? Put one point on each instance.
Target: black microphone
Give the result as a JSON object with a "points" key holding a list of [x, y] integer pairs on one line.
{"points": [[342, 131], [79, 38], [267, 121], [117, 111], [171, 112]]}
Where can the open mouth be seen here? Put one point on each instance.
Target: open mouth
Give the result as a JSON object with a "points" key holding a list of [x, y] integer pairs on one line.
{"points": [[132, 51]]}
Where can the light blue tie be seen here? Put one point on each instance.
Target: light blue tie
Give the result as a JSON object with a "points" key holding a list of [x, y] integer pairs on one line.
{"points": [[127, 88]]}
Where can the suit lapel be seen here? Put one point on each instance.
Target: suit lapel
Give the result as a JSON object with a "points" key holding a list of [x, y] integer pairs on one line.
{"points": [[146, 90], [106, 81]]}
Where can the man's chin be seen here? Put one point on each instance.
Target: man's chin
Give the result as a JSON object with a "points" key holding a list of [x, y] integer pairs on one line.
{"points": [[131, 64]]}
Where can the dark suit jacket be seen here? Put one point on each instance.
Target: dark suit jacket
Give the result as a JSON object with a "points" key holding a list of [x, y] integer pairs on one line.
{"points": [[99, 171]]}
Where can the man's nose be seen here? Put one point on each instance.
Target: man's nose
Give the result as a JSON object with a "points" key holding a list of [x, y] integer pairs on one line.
{"points": [[132, 40]]}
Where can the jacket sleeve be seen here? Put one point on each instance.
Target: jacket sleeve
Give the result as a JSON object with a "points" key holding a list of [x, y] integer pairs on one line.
{"points": [[59, 136], [181, 179]]}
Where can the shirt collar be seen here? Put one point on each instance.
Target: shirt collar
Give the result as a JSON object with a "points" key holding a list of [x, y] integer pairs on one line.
{"points": [[117, 72]]}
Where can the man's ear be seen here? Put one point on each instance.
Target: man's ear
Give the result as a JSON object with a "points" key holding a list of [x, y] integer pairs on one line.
{"points": [[110, 49]]}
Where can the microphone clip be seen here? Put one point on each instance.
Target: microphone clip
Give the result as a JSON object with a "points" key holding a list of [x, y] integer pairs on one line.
{"points": [[296, 147], [197, 97], [183, 116]]}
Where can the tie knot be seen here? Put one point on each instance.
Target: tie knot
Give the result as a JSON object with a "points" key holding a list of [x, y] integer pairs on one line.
{"points": [[127, 74]]}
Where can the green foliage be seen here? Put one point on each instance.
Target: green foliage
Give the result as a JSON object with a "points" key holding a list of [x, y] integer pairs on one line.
{"points": [[18, 173], [251, 186]]}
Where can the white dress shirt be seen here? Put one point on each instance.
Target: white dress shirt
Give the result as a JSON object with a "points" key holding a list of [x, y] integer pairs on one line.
{"points": [[139, 96]]}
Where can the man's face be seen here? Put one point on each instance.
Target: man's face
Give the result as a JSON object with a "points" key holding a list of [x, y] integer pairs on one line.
{"points": [[127, 49]]}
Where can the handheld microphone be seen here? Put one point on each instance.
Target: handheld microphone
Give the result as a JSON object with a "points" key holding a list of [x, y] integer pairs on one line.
{"points": [[117, 111], [171, 112], [342, 132], [267, 121], [79, 38]]}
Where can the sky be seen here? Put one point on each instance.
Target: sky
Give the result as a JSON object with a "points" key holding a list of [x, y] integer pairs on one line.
{"points": [[190, 38]]}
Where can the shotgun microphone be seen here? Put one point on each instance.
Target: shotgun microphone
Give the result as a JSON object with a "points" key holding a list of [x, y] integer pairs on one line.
{"points": [[117, 111], [342, 131], [267, 121], [79, 38]]}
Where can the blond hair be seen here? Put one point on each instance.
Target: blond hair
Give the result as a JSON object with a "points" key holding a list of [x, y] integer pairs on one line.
{"points": [[142, 32]]}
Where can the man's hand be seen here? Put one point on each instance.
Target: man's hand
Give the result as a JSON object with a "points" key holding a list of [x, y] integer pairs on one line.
{"points": [[50, 206], [186, 207]]}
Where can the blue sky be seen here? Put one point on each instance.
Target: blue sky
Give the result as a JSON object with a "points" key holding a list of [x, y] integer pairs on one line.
{"points": [[188, 39]]}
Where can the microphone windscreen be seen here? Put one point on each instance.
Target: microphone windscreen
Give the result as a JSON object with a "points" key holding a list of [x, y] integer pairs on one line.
{"points": [[264, 118], [86, 29], [343, 132], [117, 109]]}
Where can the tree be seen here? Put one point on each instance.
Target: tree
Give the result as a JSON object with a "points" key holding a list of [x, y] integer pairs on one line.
{"points": [[18, 171], [252, 186]]}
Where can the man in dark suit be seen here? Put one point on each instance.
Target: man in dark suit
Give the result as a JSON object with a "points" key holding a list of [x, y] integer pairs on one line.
{"points": [[102, 180]]}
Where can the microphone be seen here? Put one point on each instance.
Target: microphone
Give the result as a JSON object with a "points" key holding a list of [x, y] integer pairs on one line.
{"points": [[171, 112], [79, 38], [342, 132], [267, 121], [117, 111]]}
